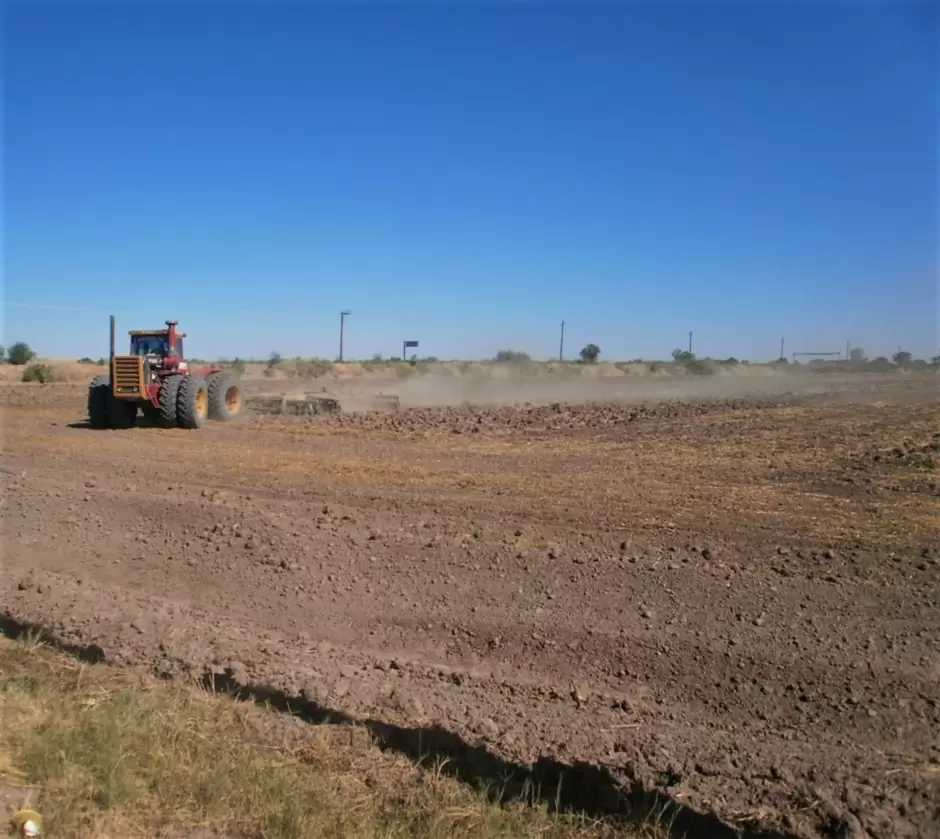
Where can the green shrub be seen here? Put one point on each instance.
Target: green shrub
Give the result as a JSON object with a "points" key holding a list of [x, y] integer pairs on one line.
{"points": [[41, 373], [512, 356], [902, 358], [313, 368], [700, 368], [879, 365]]}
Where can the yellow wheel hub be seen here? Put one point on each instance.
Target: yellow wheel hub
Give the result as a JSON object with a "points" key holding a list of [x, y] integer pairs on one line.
{"points": [[233, 399]]}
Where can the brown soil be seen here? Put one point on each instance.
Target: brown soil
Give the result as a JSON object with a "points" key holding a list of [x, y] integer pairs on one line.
{"points": [[731, 603]]}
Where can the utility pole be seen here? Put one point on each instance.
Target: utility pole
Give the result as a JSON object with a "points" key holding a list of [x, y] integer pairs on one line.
{"points": [[690, 342], [848, 349], [561, 345], [342, 323], [781, 349]]}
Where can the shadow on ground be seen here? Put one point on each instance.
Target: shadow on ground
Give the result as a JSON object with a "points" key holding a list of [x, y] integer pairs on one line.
{"points": [[578, 788]]}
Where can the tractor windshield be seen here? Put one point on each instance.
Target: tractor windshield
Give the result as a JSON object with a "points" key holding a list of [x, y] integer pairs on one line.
{"points": [[148, 345]]}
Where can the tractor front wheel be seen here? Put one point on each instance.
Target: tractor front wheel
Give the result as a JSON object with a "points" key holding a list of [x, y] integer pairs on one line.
{"points": [[225, 396], [104, 411], [192, 403], [150, 411], [123, 413], [99, 394]]}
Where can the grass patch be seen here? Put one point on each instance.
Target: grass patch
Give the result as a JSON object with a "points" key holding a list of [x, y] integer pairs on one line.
{"points": [[116, 754]]}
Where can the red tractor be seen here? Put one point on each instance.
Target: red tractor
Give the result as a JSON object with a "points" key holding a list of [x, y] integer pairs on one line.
{"points": [[156, 378]]}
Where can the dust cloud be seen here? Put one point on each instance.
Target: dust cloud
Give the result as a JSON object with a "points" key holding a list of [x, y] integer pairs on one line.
{"points": [[497, 388]]}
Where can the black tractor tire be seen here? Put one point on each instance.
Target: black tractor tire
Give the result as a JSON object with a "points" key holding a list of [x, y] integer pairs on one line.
{"points": [[225, 396], [192, 403], [122, 412], [99, 394], [169, 396], [150, 411]]}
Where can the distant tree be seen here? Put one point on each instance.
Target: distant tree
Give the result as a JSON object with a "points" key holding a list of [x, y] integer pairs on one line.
{"points": [[934, 360], [783, 360], [274, 359], [590, 353], [857, 355], [682, 356], [515, 356], [20, 353], [902, 358]]}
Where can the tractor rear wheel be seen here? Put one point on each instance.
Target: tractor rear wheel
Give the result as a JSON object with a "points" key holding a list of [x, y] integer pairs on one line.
{"points": [[169, 393], [225, 396], [99, 394], [192, 403]]}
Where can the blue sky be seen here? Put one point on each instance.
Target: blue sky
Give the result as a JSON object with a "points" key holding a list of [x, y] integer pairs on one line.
{"points": [[470, 175]]}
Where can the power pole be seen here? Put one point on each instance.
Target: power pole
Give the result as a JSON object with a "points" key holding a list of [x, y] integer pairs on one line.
{"points": [[781, 349], [690, 342], [561, 345], [848, 349], [342, 322]]}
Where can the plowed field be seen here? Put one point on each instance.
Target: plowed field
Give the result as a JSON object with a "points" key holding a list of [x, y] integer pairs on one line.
{"points": [[733, 603]]}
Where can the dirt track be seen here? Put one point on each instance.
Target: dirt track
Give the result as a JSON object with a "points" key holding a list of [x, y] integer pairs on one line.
{"points": [[732, 602]]}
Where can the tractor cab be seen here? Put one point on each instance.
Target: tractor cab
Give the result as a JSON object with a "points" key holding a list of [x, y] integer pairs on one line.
{"points": [[157, 342]]}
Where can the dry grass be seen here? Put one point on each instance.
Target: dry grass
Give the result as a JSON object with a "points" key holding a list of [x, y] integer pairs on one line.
{"points": [[107, 753]]}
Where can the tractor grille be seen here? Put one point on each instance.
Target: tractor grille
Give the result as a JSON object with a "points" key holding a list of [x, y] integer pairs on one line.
{"points": [[128, 375]]}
